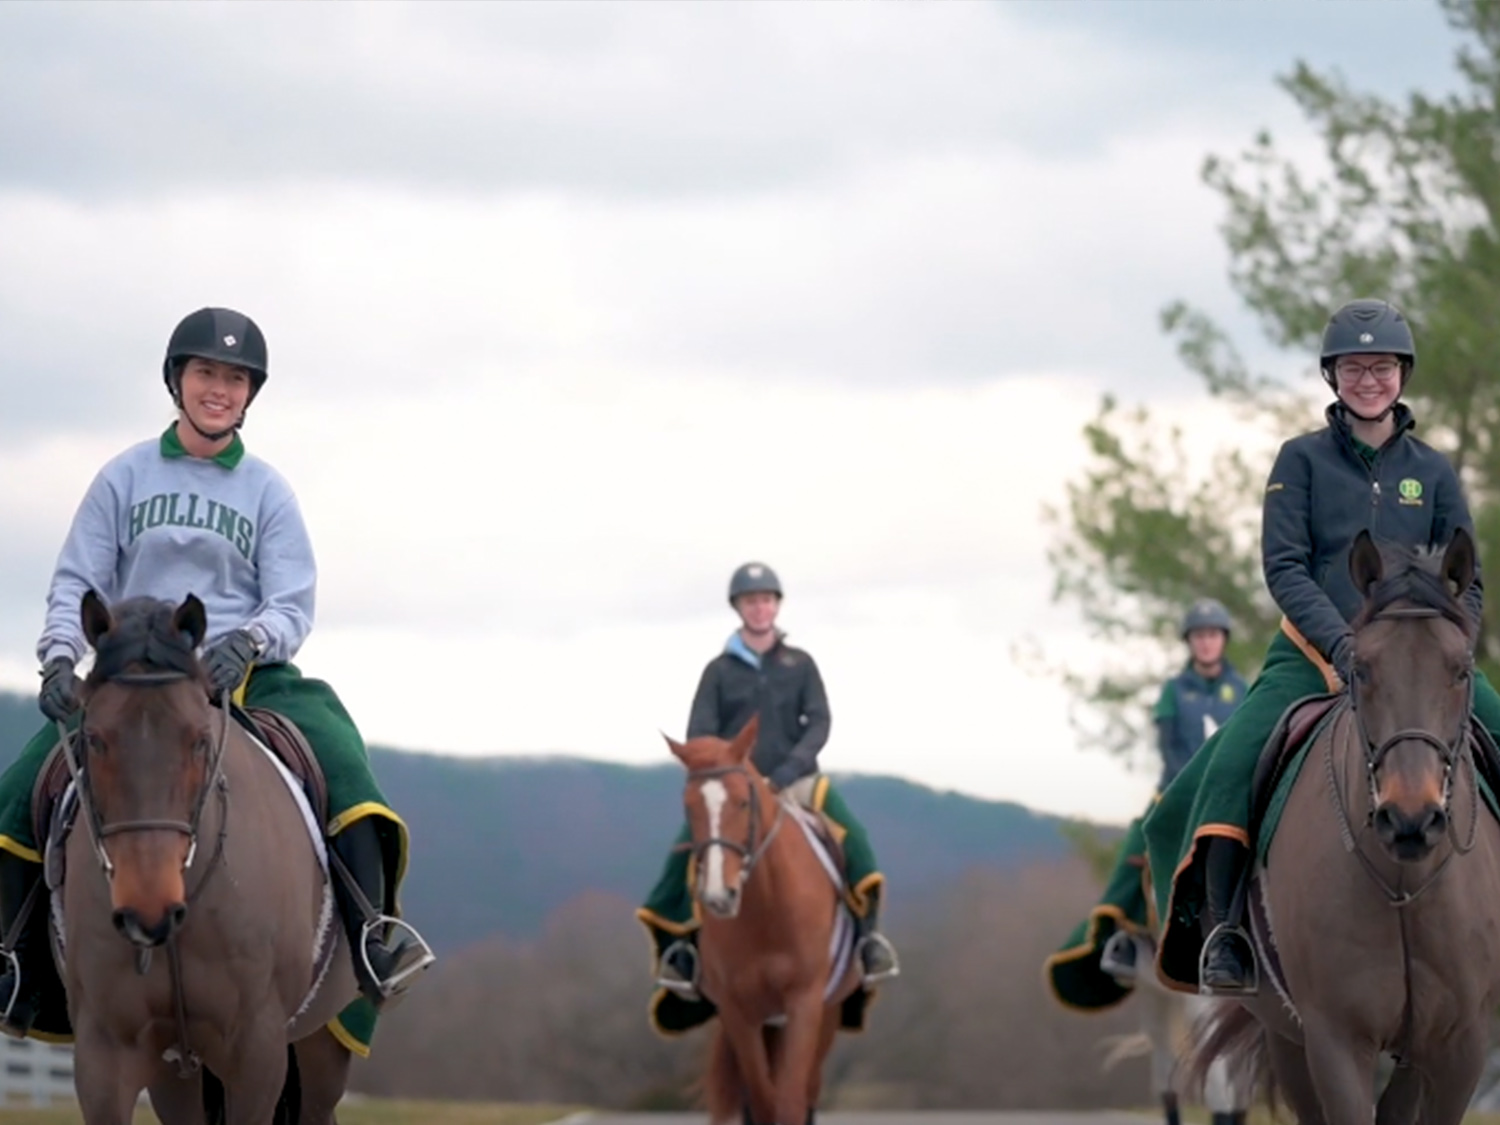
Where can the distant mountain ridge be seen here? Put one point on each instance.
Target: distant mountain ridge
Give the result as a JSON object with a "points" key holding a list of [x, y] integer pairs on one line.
{"points": [[500, 843]]}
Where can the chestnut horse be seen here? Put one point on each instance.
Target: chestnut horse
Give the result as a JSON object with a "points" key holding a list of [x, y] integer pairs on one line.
{"points": [[194, 906], [1376, 914], [769, 909]]}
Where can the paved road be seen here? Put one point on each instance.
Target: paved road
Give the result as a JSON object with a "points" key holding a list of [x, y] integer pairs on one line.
{"points": [[897, 1117]]}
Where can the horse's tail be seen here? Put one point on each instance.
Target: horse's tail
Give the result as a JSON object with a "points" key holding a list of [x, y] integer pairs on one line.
{"points": [[1120, 1048], [723, 1086], [1227, 1031]]}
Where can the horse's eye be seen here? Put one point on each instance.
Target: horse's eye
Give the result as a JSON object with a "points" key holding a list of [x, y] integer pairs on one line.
{"points": [[202, 748], [95, 744], [1465, 675], [743, 802]]}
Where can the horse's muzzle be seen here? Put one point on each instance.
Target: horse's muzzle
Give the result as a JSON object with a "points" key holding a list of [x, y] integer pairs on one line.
{"points": [[129, 923], [724, 905], [1410, 837]]}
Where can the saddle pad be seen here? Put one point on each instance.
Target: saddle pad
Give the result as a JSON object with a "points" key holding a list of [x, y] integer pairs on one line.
{"points": [[841, 941]]}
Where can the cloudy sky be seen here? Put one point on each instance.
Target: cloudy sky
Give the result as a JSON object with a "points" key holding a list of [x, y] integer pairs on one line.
{"points": [[574, 307]]}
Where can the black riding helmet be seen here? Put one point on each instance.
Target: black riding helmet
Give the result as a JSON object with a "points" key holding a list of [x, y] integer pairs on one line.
{"points": [[221, 334], [1206, 614], [1366, 327], [753, 578]]}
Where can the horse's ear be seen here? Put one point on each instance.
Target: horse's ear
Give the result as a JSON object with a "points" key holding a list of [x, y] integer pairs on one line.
{"points": [[1460, 561], [744, 742], [96, 618], [677, 748], [1365, 564], [191, 618]]}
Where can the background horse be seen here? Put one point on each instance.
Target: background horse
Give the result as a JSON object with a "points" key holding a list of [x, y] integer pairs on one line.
{"points": [[1376, 916], [769, 911], [194, 905], [1227, 1087]]}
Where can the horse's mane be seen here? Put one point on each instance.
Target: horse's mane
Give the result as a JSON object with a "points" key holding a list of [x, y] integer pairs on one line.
{"points": [[141, 638], [1414, 576]]}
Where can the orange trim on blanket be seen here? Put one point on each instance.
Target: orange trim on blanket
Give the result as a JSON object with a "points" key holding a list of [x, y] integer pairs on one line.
{"points": [[1304, 646], [1231, 831], [1086, 949]]}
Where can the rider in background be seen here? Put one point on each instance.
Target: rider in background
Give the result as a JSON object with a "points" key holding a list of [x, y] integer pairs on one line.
{"points": [[192, 511], [1365, 470], [758, 673], [1192, 705]]}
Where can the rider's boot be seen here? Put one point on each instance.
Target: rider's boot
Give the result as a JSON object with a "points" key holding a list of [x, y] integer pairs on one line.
{"points": [[877, 956], [20, 983], [677, 971], [1227, 964], [1117, 958], [388, 952]]}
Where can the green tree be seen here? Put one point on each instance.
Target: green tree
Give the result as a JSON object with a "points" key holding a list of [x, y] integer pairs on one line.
{"points": [[1406, 205]]}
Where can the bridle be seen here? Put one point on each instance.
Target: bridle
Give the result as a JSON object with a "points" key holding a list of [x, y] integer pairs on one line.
{"points": [[214, 781], [1451, 753], [188, 1060], [754, 847]]}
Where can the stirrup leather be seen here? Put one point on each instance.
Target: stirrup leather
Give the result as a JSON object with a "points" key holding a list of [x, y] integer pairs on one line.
{"points": [[415, 957], [1226, 932]]}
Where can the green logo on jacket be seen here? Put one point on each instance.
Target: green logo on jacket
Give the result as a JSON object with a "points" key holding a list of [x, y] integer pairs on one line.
{"points": [[1410, 490]]}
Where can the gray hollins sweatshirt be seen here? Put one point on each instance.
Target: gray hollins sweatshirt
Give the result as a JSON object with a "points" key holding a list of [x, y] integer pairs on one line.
{"points": [[156, 522]]}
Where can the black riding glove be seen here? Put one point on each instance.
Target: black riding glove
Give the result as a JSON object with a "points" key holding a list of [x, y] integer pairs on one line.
{"points": [[1342, 659], [228, 659], [59, 694]]}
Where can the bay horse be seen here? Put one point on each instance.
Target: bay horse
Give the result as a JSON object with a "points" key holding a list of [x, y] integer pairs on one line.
{"points": [[769, 909], [195, 906], [1376, 915]]}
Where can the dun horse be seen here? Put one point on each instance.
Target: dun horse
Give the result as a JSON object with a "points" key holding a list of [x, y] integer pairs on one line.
{"points": [[769, 913], [194, 908], [1376, 915]]}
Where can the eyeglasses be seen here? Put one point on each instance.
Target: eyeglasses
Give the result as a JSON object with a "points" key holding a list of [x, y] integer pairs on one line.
{"points": [[1352, 372]]}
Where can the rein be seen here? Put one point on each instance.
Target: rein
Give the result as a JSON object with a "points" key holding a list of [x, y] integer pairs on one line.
{"points": [[751, 851], [188, 1061]]}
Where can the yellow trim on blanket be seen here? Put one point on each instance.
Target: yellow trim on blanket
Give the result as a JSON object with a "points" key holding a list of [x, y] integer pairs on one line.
{"points": [[820, 791], [1086, 949], [16, 848], [337, 1029], [858, 896], [1304, 646], [356, 813]]}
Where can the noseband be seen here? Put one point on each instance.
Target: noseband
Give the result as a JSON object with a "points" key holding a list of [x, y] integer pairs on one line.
{"points": [[214, 781], [754, 846]]}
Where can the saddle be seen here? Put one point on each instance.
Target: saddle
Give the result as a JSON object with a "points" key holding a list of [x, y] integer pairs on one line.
{"points": [[1297, 724], [274, 731], [830, 836]]}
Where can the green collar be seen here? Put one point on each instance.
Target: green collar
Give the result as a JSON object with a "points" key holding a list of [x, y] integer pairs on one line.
{"points": [[230, 456]]}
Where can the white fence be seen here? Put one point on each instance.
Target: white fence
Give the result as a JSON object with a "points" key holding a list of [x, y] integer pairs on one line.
{"points": [[35, 1073]]}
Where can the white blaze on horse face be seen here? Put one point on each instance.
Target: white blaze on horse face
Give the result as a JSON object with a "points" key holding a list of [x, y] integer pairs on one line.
{"points": [[715, 796]]}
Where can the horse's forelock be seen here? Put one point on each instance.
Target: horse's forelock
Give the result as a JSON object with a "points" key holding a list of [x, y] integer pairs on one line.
{"points": [[142, 636], [1414, 577], [707, 754]]}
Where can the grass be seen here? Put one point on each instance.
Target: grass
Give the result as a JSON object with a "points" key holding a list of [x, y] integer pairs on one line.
{"points": [[1193, 1115], [364, 1111]]}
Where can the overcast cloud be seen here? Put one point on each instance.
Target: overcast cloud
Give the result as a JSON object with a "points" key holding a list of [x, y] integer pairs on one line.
{"points": [[572, 308]]}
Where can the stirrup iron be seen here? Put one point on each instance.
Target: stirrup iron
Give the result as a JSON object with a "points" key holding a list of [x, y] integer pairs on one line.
{"points": [[884, 942], [1221, 932], [1109, 958], [417, 956]]}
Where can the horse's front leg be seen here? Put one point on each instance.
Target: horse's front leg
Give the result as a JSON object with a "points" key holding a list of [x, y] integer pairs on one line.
{"points": [[1401, 1102], [1453, 1071], [106, 1076], [1289, 1067], [253, 1083], [1342, 1072], [748, 1042], [798, 1056]]}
